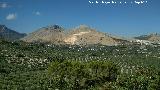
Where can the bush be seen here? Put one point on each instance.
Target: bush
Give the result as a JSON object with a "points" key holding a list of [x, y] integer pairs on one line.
{"points": [[82, 75], [4, 66]]}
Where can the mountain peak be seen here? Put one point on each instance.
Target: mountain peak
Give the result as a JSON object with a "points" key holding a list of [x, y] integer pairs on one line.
{"points": [[9, 34], [55, 27], [50, 33], [83, 26], [52, 27], [2, 28]]}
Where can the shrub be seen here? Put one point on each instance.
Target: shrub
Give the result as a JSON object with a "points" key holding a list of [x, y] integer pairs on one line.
{"points": [[82, 75]]}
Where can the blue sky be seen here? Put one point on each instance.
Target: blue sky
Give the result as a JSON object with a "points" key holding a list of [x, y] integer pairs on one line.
{"points": [[128, 19]]}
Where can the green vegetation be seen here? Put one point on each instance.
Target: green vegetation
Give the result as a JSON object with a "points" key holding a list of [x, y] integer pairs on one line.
{"points": [[82, 75], [35, 66]]}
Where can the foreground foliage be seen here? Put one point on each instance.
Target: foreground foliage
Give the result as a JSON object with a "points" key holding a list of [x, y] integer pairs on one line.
{"points": [[82, 75]]}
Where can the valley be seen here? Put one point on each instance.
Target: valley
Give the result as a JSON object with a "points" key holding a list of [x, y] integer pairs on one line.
{"points": [[34, 66]]}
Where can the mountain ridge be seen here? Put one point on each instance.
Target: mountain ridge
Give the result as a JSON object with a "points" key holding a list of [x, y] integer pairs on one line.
{"points": [[9, 34], [153, 37], [81, 35]]}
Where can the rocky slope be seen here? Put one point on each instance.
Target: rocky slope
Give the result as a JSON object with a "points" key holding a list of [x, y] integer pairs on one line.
{"points": [[152, 37], [82, 35], [53, 34], [8, 34]]}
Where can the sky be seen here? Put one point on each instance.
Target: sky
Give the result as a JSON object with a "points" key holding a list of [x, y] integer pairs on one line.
{"points": [[125, 19]]}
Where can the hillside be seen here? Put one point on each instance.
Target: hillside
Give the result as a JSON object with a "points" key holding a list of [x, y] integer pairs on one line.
{"points": [[8, 34], [152, 37], [81, 35], [84, 35], [52, 34]]}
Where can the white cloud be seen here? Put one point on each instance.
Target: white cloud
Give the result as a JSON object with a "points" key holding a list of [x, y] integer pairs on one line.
{"points": [[37, 13], [11, 16], [3, 5]]}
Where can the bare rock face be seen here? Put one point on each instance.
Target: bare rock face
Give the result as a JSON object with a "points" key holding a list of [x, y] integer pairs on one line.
{"points": [[82, 35], [53, 34]]}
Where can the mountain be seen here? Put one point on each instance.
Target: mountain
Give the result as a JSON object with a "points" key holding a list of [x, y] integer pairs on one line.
{"points": [[84, 35], [52, 33], [155, 37], [8, 34], [81, 35]]}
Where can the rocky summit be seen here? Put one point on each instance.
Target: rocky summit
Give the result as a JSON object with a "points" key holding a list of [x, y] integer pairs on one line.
{"points": [[51, 34], [84, 35]]}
